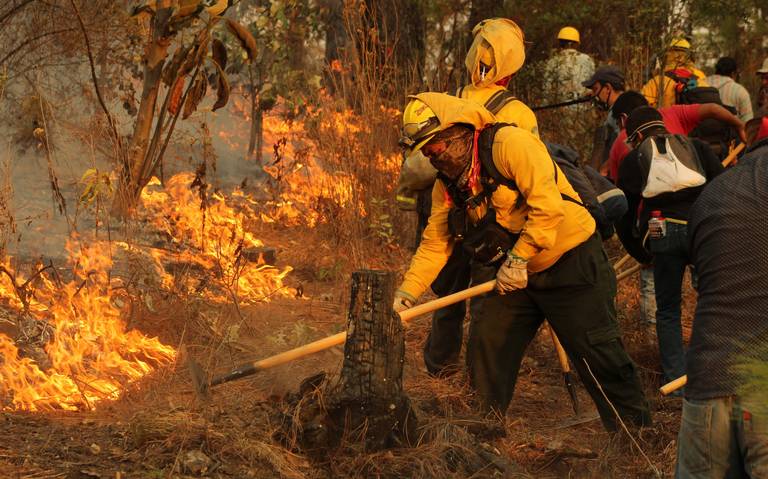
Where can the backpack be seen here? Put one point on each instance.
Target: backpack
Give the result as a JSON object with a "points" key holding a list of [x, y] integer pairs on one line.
{"points": [[669, 163], [562, 156], [604, 201], [417, 173], [717, 134]]}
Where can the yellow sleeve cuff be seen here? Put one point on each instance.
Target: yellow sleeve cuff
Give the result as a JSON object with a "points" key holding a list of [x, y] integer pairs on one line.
{"points": [[405, 295], [524, 250]]}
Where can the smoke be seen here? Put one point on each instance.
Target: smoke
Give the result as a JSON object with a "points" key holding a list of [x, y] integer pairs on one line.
{"points": [[57, 134]]}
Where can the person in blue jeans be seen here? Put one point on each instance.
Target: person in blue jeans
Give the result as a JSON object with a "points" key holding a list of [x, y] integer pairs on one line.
{"points": [[664, 174], [724, 429]]}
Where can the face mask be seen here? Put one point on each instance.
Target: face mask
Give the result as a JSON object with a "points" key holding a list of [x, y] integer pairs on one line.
{"points": [[598, 103], [455, 159]]}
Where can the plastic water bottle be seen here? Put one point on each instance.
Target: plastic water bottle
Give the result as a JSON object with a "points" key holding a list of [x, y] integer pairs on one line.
{"points": [[657, 225]]}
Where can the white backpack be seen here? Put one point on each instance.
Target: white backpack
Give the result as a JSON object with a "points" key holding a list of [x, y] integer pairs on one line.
{"points": [[675, 168]]}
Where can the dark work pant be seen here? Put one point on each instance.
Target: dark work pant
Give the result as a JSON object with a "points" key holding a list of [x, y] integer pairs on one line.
{"points": [[443, 345], [670, 260], [576, 295]]}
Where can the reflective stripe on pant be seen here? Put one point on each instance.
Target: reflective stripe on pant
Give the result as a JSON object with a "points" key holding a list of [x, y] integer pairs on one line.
{"points": [[723, 438], [576, 295]]}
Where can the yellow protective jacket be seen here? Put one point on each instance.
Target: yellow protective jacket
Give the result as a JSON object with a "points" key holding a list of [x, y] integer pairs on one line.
{"points": [[498, 43], [651, 89], [548, 225], [515, 111]]}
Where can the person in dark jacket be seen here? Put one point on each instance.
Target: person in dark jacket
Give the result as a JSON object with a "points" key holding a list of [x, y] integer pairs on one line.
{"points": [[724, 430], [643, 177], [605, 85]]}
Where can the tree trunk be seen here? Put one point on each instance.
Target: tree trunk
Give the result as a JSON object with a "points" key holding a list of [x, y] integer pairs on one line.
{"points": [[336, 39], [129, 185], [366, 405]]}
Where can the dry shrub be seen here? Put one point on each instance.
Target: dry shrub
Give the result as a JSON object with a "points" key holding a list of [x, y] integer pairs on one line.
{"points": [[358, 132], [7, 220]]}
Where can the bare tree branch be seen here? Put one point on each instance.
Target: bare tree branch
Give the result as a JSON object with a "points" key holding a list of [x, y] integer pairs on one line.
{"points": [[32, 40], [5, 16], [111, 120]]}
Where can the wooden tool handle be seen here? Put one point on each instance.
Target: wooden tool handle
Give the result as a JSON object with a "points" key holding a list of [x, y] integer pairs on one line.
{"points": [[438, 303], [673, 386], [621, 262], [732, 156], [561, 356], [405, 316], [624, 274]]}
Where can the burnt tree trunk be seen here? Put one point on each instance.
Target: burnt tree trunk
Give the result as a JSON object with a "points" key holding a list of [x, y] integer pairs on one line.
{"points": [[366, 406], [368, 398]]}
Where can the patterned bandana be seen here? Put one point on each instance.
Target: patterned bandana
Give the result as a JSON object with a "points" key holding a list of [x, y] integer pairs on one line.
{"points": [[454, 161]]}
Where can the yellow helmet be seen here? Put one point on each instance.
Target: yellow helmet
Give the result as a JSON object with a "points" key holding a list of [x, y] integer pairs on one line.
{"points": [[420, 123], [569, 34], [679, 44]]}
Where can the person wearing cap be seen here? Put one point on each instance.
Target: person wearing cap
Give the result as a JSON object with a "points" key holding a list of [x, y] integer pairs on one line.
{"points": [[605, 86], [678, 119], [649, 190], [732, 94], [568, 67], [660, 90], [762, 94], [541, 247], [722, 431]]}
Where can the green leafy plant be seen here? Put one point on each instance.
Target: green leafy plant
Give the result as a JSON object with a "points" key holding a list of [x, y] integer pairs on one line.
{"points": [[329, 273], [381, 222]]}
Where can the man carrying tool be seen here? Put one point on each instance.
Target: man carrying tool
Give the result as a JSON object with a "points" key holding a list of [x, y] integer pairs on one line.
{"points": [[660, 90], [723, 432], [605, 85], [502, 198], [666, 173], [496, 54]]}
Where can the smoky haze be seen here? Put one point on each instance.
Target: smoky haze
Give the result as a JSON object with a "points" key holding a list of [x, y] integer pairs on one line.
{"points": [[72, 131]]}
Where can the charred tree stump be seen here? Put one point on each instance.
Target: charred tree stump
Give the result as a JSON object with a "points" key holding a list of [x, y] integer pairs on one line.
{"points": [[366, 405]]}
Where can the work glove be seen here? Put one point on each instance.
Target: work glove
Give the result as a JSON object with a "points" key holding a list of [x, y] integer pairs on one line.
{"points": [[512, 275], [402, 301]]}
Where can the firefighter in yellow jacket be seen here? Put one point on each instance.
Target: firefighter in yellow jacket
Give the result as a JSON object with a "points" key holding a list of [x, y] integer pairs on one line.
{"points": [[528, 229], [496, 54], [661, 89]]}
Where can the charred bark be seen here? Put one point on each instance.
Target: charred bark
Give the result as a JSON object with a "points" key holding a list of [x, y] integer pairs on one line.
{"points": [[366, 406]]}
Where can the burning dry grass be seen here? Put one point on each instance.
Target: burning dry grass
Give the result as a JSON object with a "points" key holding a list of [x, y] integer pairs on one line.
{"points": [[326, 165], [209, 233], [88, 354]]}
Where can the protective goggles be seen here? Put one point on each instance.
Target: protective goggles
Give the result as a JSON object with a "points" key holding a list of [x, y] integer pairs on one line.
{"points": [[413, 133]]}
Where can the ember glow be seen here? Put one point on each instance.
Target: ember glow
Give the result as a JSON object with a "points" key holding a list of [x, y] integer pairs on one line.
{"points": [[89, 355], [215, 239]]}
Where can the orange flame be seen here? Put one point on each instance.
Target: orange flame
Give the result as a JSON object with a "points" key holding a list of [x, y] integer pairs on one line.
{"points": [[214, 238], [92, 356]]}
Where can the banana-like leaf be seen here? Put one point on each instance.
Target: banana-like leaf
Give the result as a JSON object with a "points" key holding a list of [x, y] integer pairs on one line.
{"points": [[222, 91], [244, 37], [219, 53], [195, 96], [176, 92], [172, 67]]}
